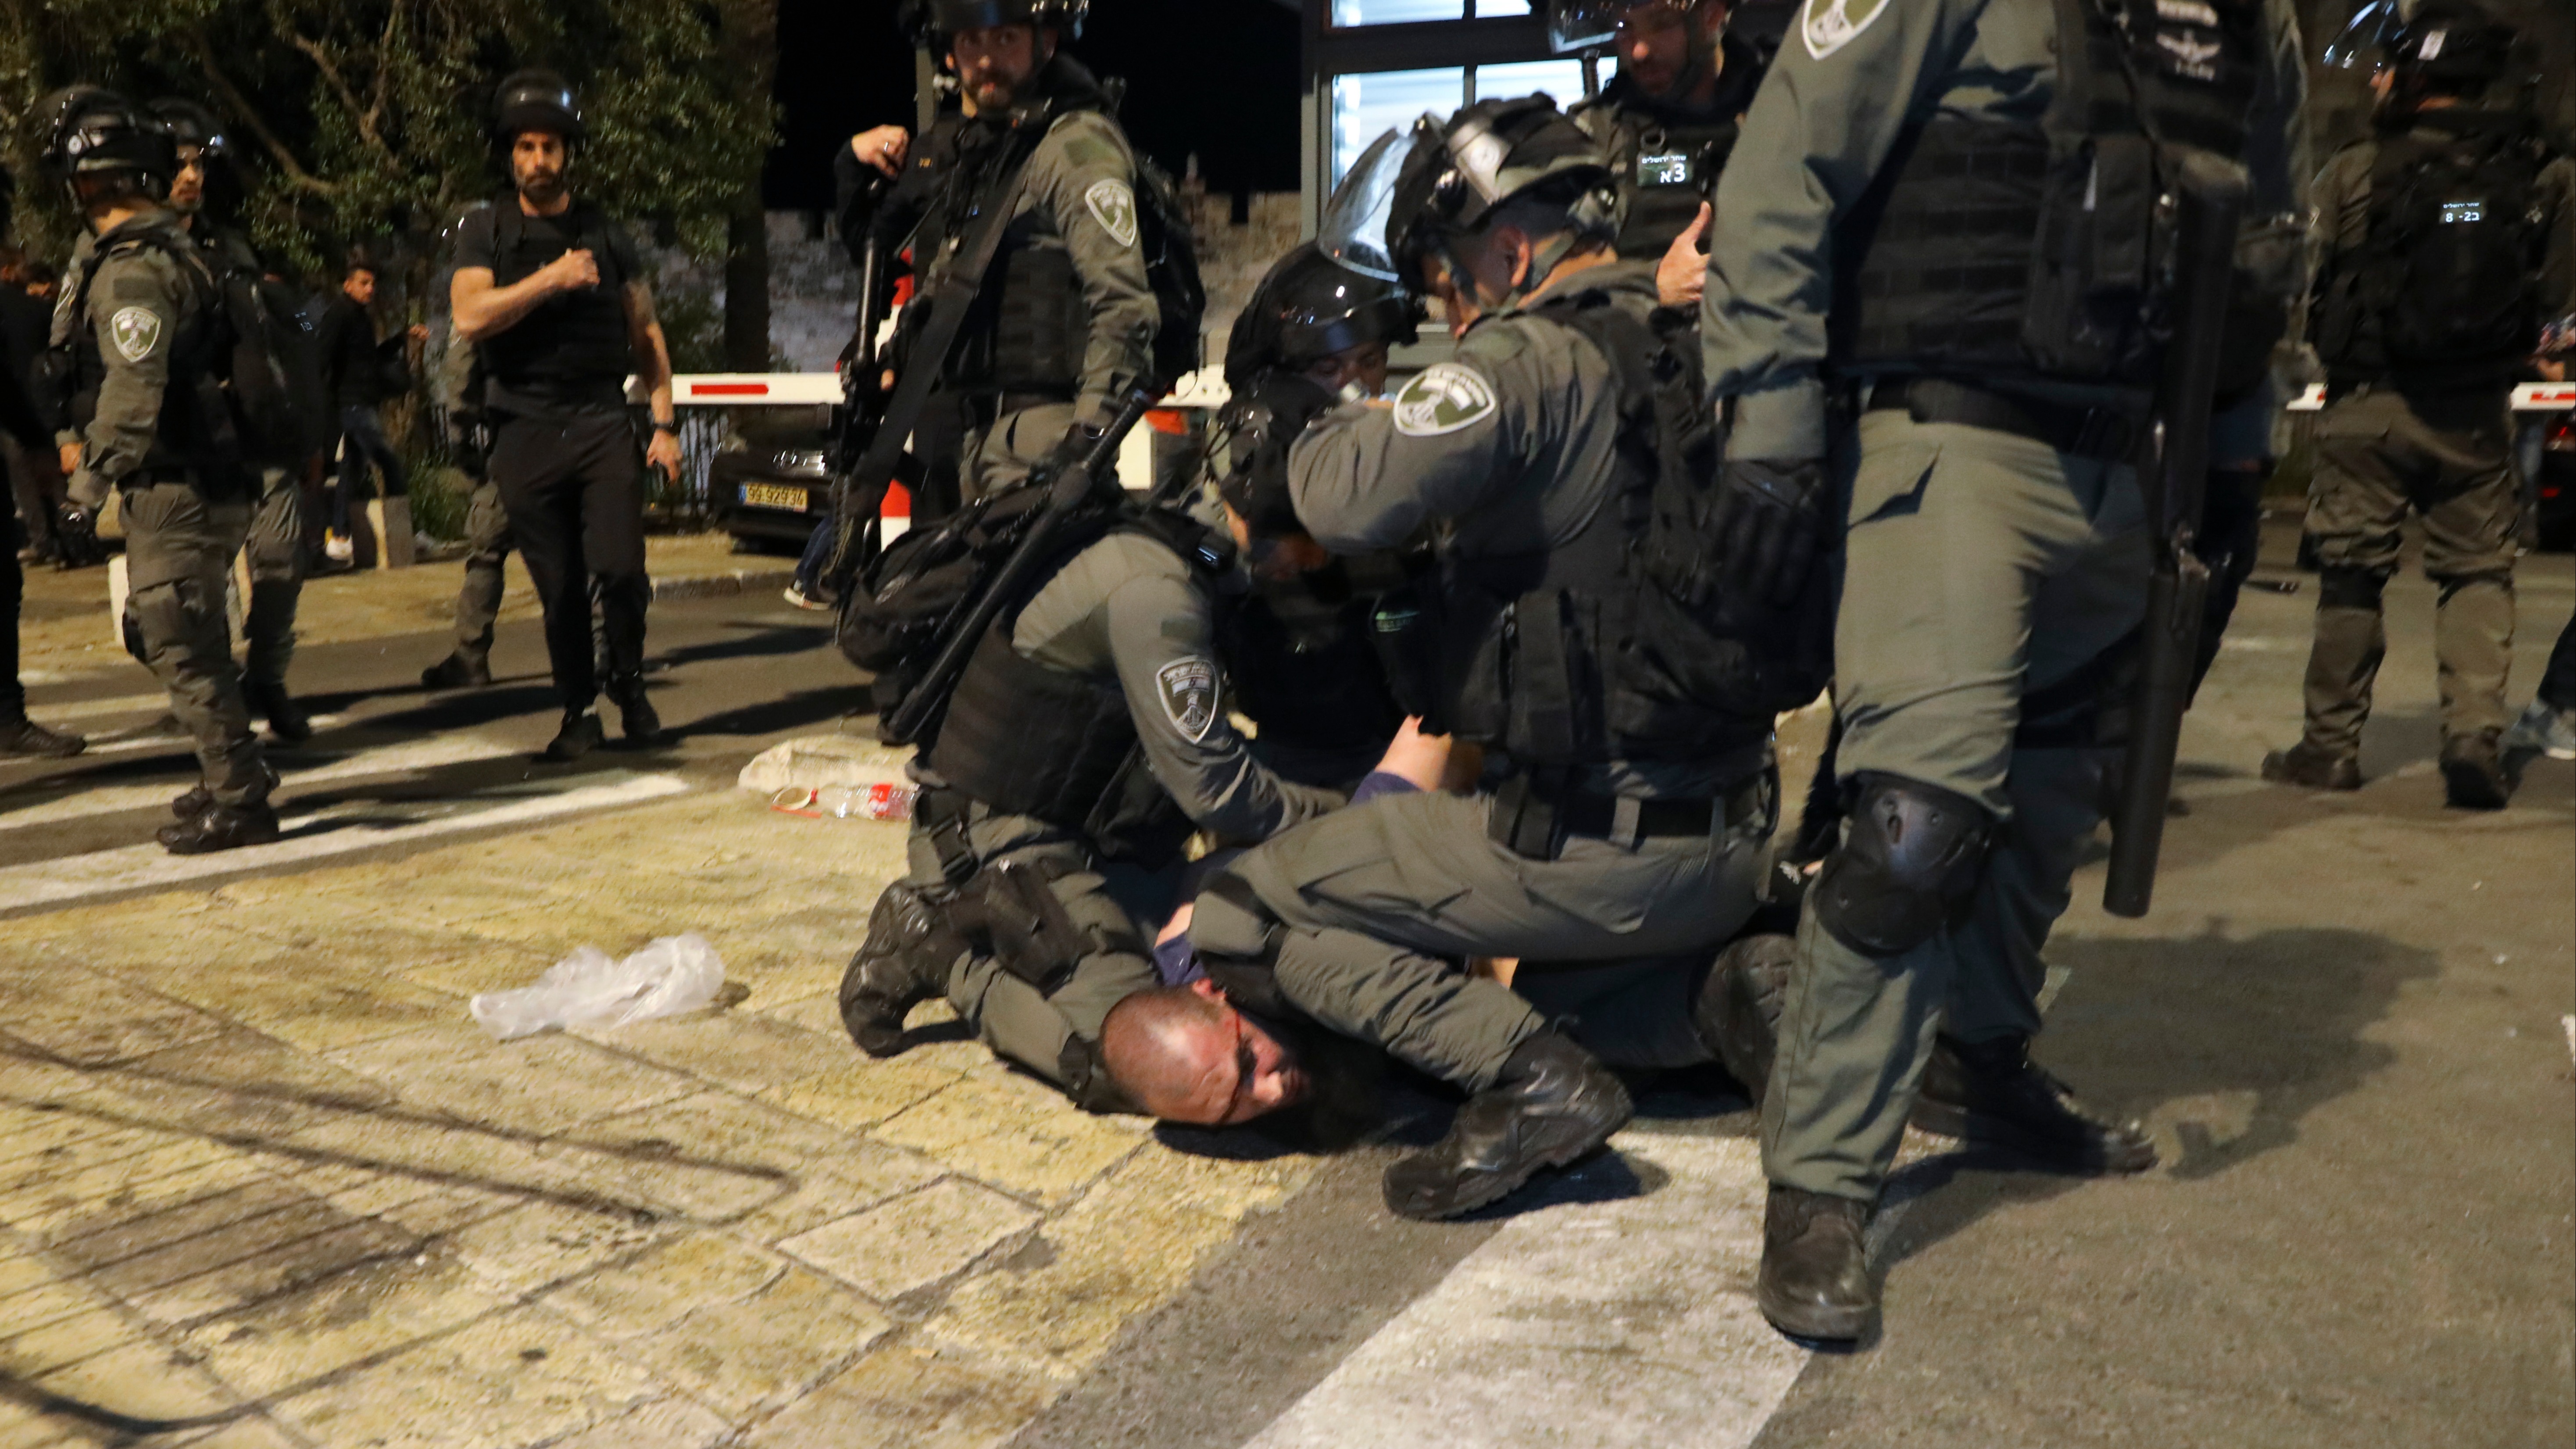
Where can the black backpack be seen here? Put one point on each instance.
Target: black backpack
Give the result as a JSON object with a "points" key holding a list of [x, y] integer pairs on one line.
{"points": [[1172, 266], [2452, 253]]}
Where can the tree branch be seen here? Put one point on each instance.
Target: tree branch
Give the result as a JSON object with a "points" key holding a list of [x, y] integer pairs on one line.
{"points": [[239, 106], [360, 115]]}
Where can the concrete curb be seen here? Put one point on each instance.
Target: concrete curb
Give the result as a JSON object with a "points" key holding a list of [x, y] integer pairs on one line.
{"points": [[711, 586]]}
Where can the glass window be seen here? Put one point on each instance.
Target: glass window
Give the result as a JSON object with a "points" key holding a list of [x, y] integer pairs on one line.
{"points": [[1367, 104], [1398, 12], [1562, 79], [1492, 9]]}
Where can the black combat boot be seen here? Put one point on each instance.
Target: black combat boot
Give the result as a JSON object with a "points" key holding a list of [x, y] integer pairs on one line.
{"points": [[635, 714], [1554, 1105], [20, 735], [581, 734], [458, 671], [2473, 776], [904, 962], [286, 719], [1992, 1092], [197, 799], [221, 827], [1814, 1282], [1737, 1013], [2310, 768]]}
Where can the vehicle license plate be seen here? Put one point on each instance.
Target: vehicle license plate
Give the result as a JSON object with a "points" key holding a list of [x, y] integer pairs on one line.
{"points": [[771, 495]]}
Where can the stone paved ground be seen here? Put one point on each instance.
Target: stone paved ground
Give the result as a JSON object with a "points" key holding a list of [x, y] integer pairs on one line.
{"points": [[263, 1182]]}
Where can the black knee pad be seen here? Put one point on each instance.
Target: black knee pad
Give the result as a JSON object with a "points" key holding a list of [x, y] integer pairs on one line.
{"points": [[2349, 588], [1910, 860]]}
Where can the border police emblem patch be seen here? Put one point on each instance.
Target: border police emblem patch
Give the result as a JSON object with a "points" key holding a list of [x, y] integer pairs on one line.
{"points": [[1188, 687], [1828, 25], [136, 331], [1444, 398], [1113, 206]]}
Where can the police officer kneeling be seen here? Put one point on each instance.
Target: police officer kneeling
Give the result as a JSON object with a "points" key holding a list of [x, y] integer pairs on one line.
{"points": [[1085, 741], [1941, 203], [553, 297], [1628, 797], [142, 340]]}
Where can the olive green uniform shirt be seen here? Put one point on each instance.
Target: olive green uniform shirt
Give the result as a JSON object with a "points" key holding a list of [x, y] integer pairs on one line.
{"points": [[138, 307]]}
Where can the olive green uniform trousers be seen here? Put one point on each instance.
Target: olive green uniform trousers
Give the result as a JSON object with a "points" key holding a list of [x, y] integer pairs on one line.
{"points": [[276, 554], [1980, 568], [1012, 1016], [2380, 456], [179, 545], [1382, 902]]}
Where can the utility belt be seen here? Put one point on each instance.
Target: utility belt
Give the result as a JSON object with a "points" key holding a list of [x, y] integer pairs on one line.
{"points": [[983, 409], [1009, 910], [156, 473], [1535, 813], [2103, 434]]}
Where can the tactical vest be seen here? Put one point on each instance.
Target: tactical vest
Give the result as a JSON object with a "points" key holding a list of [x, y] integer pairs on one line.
{"points": [[1666, 165], [1027, 739], [574, 345], [2012, 249], [1576, 656], [194, 429]]}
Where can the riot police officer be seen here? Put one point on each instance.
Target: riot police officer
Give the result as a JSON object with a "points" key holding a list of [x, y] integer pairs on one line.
{"points": [[1067, 317], [141, 329], [20, 735], [1667, 121], [205, 195], [1884, 203], [552, 295], [1622, 816], [1085, 742], [2442, 242]]}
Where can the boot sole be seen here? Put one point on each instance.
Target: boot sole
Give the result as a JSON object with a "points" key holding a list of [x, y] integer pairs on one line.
{"points": [[2096, 1159], [1485, 1192], [1815, 1325]]}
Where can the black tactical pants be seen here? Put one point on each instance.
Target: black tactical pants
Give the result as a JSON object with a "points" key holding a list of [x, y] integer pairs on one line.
{"points": [[573, 487]]}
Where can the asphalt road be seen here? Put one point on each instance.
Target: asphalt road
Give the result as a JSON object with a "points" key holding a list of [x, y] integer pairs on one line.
{"points": [[730, 676], [2347, 1022]]}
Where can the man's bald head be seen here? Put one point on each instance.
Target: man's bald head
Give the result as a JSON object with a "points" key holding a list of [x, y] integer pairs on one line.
{"points": [[1184, 1054]]}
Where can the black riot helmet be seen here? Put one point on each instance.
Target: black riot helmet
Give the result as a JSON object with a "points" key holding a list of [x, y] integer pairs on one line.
{"points": [[195, 134], [535, 100], [1250, 447], [927, 19], [1452, 179], [2449, 47], [1310, 307], [93, 131]]}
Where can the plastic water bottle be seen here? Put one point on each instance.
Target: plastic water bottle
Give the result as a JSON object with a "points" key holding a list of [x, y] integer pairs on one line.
{"points": [[883, 801]]}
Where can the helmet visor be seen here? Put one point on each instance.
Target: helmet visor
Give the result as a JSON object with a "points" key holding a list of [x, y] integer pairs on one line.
{"points": [[2369, 38], [1574, 25], [1353, 232]]}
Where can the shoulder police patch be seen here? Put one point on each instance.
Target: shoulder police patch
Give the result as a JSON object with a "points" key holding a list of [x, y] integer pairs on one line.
{"points": [[1113, 205], [1444, 398], [1188, 687], [1828, 25], [136, 331]]}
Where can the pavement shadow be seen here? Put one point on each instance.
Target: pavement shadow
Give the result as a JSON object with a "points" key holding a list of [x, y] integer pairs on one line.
{"points": [[793, 711], [2224, 1044], [756, 640]]}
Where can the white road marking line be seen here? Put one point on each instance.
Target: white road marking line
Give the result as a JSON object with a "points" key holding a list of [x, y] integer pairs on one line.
{"points": [[148, 866], [181, 744], [427, 754], [93, 708], [1606, 1324]]}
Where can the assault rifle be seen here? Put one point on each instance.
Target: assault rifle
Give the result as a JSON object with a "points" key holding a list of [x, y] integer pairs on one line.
{"points": [[1072, 488], [2209, 200]]}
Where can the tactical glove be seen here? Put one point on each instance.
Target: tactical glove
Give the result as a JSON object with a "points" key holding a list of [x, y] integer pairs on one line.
{"points": [[1768, 522]]}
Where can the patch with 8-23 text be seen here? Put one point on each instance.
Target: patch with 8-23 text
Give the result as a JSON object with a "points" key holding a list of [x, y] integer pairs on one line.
{"points": [[1188, 687]]}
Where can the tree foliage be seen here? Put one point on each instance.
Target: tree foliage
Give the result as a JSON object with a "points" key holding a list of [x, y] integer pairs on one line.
{"points": [[365, 121]]}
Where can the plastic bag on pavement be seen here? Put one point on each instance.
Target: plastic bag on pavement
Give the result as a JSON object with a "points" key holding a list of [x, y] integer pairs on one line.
{"points": [[588, 988]]}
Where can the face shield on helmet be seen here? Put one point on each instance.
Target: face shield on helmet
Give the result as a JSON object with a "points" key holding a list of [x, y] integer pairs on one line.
{"points": [[2369, 38], [198, 138], [951, 17], [1354, 227], [1455, 177]]}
